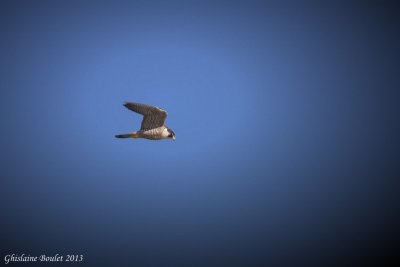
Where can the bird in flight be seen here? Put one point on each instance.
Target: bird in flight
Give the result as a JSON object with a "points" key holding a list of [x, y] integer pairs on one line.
{"points": [[153, 126]]}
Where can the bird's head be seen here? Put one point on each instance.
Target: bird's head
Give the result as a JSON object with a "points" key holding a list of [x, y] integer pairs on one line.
{"points": [[171, 134]]}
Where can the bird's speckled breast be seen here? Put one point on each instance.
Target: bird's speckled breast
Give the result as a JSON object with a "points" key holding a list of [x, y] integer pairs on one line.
{"points": [[153, 134]]}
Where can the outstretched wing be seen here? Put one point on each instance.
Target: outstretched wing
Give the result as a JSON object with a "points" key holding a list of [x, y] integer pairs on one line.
{"points": [[153, 117]]}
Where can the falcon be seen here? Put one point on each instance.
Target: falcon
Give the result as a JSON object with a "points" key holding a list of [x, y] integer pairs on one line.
{"points": [[153, 124]]}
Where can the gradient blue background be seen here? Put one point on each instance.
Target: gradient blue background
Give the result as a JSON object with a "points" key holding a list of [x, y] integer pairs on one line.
{"points": [[286, 116]]}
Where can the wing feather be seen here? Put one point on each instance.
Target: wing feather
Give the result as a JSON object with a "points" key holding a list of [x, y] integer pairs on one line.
{"points": [[153, 117]]}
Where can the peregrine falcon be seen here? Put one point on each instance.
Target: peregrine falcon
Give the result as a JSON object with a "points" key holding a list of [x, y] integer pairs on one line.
{"points": [[153, 126]]}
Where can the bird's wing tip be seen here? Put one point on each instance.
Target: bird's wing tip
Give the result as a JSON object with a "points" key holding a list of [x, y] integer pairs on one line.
{"points": [[127, 103]]}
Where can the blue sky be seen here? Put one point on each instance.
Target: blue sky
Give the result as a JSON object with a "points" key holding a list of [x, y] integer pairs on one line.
{"points": [[285, 116]]}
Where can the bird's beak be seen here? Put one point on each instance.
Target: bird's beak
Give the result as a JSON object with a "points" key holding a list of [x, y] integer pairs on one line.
{"points": [[173, 137]]}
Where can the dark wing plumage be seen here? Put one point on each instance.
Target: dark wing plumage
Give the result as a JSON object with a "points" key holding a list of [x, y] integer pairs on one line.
{"points": [[153, 117]]}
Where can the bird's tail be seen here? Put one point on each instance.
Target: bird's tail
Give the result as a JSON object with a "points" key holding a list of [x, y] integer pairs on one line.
{"points": [[128, 135]]}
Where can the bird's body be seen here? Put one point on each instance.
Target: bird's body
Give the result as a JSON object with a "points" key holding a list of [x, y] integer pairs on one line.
{"points": [[152, 126], [152, 134]]}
